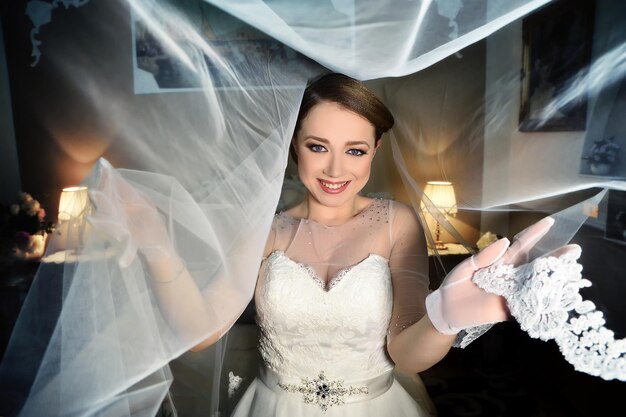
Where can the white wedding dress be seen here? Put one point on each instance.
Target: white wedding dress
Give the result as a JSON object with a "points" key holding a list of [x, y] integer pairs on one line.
{"points": [[323, 340]]}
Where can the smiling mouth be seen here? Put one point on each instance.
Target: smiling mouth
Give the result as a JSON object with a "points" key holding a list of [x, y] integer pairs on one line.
{"points": [[333, 187]]}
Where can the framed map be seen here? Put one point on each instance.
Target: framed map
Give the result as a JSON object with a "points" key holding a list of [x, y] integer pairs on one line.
{"points": [[171, 58]]}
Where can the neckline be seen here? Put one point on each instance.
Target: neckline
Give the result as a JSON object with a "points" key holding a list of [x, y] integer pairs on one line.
{"points": [[326, 285], [350, 220]]}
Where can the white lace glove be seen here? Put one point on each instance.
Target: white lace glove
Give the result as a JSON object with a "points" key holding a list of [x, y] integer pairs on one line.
{"points": [[459, 303]]}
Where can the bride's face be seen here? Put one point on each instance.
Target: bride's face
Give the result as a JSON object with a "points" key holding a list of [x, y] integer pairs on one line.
{"points": [[335, 148]]}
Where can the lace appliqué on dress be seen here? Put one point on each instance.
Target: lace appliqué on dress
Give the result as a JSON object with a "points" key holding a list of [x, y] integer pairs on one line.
{"points": [[234, 382], [544, 297], [298, 338], [323, 392]]}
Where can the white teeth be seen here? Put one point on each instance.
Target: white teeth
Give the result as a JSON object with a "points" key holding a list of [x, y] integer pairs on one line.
{"points": [[333, 186]]}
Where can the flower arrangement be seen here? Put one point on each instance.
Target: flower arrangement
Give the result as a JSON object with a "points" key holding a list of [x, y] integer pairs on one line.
{"points": [[25, 228], [603, 151]]}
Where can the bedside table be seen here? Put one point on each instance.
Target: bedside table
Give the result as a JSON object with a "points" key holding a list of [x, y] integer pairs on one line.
{"points": [[15, 280]]}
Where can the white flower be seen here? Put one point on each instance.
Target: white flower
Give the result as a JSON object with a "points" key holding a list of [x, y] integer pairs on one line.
{"points": [[31, 207], [485, 240]]}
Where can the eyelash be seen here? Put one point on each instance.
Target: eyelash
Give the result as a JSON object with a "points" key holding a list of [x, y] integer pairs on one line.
{"points": [[318, 149]]}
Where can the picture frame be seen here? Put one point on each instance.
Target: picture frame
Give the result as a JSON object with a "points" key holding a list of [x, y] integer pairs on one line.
{"points": [[158, 68], [556, 52], [615, 229]]}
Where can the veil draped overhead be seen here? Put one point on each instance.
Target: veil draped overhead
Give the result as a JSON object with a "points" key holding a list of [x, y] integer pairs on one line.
{"points": [[192, 106]]}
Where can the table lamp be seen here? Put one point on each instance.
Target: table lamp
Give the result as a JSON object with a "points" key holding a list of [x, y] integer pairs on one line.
{"points": [[74, 203], [74, 206], [441, 195]]}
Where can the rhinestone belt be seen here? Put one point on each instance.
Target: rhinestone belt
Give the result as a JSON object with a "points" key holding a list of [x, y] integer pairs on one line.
{"points": [[326, 392]]}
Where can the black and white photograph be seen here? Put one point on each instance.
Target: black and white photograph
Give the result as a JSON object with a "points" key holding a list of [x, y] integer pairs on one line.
{"points": [[555, 58]]}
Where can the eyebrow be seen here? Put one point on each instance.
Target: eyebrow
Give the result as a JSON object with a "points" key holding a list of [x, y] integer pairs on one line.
{"points": [[350, 143]]}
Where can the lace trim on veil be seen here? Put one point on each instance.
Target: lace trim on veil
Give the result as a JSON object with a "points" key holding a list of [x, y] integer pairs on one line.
{"points": [[467, 336], [544, 297]]}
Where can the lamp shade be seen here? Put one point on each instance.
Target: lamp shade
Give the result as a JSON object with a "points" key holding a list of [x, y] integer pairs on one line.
{"points": [[441, 194], [74, 203]]}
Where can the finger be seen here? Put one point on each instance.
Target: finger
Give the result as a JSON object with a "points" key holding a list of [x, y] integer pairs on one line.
{"points": [[104, 218], [482, 259], [127, 193], [572, 250], [100, 203], [490, 254], [526, 240], [115, 186], [544, 224], [108, 223]]}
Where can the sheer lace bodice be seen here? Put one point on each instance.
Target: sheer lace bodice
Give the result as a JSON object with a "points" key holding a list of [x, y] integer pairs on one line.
{"points": [[306, 328], [327, 297]]}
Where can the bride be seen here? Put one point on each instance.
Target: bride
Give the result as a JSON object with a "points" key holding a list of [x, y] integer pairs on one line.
{"points": [[342, 294]]}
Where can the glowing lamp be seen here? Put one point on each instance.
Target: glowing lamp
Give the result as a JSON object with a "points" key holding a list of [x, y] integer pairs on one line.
{"points": [[74, 203], [441, 195]]}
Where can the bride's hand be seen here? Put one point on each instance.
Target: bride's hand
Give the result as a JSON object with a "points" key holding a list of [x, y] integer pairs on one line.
{"points": [[128, 220], [458, 303]]}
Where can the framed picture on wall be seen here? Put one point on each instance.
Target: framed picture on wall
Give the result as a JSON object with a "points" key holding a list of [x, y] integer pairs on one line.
{"points": [[230, 53], [604, 149], [616, 217], [556, 53]]}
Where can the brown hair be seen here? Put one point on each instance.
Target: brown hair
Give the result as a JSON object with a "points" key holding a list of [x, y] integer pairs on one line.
{"points": [[349, 93]]}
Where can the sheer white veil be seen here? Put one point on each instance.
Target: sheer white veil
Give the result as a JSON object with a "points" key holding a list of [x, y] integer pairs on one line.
{"points": [[198, 121]]}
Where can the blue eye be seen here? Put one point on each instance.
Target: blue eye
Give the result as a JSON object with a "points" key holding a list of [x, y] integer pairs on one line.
{"points": [[316, 148], [356, 152]]}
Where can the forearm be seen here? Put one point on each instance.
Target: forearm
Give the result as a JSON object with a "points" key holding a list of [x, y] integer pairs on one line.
{"points": [[189, 311], [419, 346]]}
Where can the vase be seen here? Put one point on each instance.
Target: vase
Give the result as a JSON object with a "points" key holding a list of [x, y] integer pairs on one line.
{"points": [[600, 169]]}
